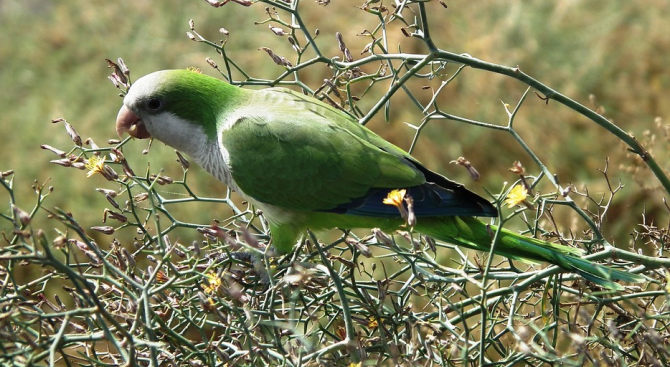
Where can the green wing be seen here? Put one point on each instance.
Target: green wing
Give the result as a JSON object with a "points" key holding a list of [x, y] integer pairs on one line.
{"points": [[298, 153]]}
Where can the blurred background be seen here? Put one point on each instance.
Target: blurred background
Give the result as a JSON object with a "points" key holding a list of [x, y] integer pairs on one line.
{"points": [[613, 56]]}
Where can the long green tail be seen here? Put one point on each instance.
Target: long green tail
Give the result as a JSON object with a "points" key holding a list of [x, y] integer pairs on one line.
{"points": [[472, 233]]}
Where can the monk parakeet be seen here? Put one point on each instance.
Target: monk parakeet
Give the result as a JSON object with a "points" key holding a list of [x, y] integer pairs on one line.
{"points": [[308, 165]]}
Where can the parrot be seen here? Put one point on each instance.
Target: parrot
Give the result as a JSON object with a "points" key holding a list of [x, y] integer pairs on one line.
{"points": [[308, 165]]}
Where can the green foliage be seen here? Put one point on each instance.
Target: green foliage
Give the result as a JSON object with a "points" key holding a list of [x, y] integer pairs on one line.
{"points": [[137, 263]]}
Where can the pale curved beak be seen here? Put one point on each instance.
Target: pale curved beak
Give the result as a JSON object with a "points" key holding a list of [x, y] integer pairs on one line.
{"points": [[128, 122]]}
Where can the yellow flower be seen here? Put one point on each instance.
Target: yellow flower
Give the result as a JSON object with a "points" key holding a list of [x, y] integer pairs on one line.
{"points": [[359, 364], [214, 282], [516, 196], [95, 165], [395, 198], [372, 322]]}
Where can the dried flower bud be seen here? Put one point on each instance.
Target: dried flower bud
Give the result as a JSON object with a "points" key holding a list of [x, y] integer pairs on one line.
{"points": [[566, 191], [408, 236], [347, 55], [140, 197], [70, 130], [343, 47], [179, 252], [166, 240], [114, 80], [109, 173], [120, 73], [411, 217], [6, 174], [107, 192], [332, 88], [183, 161], [224, 31], [122, 66], [191, 36], [474, 174], [95, 260], [90, 142], [116, 155], [383, 70], [431, 243], [345, 262], [83, 246], [279, 60], [517, 168], [191, 24], [382, 237], [58, 152], [21, 215], [340, 41], [114, 215], [79, 165], [210, 235], [276, 30], [294, 44], [60, 303], [59, 242], [62, 162], [108, 230], [364, 250], [126, 168], [213, 231], [212, 63], [161, 180]]}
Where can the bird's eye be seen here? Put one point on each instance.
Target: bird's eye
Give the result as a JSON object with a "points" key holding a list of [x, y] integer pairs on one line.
{"points": [[154, 104]]}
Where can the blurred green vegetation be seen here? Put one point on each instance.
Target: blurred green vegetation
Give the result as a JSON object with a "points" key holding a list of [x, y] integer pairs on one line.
{"points": [[52, 65]]}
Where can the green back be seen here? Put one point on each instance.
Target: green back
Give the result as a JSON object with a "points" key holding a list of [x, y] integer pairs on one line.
{"points": [[298, 153]]}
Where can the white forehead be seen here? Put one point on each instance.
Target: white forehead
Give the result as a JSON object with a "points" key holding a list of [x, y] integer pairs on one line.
{"points": [[145, 86]]}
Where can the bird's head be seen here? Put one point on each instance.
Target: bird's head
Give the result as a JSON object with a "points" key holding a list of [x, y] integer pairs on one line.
{"points": [[178, 107]]}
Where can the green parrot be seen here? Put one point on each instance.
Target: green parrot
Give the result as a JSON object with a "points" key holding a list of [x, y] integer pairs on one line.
{"points": [[308, 165]]}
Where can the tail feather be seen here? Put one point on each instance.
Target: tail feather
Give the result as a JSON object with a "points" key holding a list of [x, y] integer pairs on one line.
{"points": [[601, 274], [472, 233]]}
